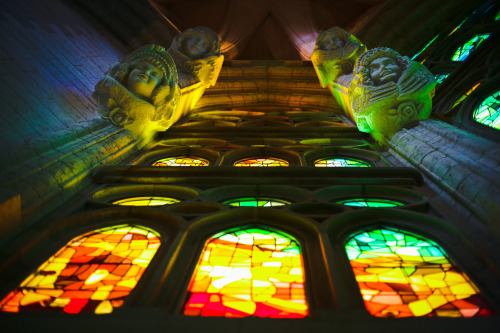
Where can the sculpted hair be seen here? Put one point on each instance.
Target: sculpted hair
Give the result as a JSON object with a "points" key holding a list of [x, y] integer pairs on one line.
{"points": [[362, 67]]}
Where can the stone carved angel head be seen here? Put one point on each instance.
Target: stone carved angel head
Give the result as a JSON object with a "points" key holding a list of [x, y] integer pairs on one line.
{"points": [[389, 92], [335, 53], [140, 92], [197, 52]]}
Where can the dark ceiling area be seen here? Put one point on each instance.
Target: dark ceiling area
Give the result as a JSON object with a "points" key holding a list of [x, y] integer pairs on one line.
{"points": [[266, 29]]}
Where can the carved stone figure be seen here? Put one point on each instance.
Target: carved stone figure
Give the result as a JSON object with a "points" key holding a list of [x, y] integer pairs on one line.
{"points": [[388, 92], [140, 92], [196, 53], [334, 55]]}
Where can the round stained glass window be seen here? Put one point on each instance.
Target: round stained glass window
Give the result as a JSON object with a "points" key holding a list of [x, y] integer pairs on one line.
{"points": [[146, 201], [261, 162], [256, 202], [341, 162], [370, 202], [186, 161], [488, 112]]}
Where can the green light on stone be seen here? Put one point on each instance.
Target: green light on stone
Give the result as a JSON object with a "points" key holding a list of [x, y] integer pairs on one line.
{"points": [[256, 202], [466, 49], [370, 202], [488, 112]]}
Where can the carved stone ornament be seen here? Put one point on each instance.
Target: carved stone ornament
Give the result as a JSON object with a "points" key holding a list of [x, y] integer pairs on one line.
{"points": [[335, 54], [388, 92], [140, 92], [196, 53]]}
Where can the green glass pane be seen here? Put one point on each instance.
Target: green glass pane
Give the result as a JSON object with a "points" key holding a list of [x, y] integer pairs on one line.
{"points": [[256, 202], [410, 277], [340, 162], [497, 17], [488, 112], [370, 202], [466, 49], [146, 201], [441, 77], [425, 47]]}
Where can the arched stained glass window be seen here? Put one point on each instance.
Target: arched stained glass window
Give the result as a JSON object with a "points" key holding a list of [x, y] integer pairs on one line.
{"points": [[146, 201], [488, 112], [370, 202], [465, 95], [340, 162], [185, 161], [94, 272], [261, 162], [256, 202], [249, 271], [400, 274], [466, 49]]}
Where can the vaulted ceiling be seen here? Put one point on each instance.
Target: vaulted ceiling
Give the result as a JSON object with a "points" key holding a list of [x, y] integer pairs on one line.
{"points": [[267, 29]]}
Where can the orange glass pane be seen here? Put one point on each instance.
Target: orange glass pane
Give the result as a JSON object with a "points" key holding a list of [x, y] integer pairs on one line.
{"points": [[249, 271], [94, 272], [261, 162]]}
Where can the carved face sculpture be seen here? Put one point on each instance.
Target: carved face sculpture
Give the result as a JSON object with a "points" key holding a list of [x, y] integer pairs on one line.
{"points": [[143, 79], [384, 70], [330, 41], [195, 45]]}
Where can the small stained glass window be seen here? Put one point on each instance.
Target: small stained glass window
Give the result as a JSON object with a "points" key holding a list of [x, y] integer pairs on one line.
{"points": [[184, 161], [370, 202], [441, 77], [146, 201], [340, 162], [425, 47], [400, 274], [249, 271], [94, 272], [497, 17], [465, 95], [488, 112], [261, 162], [256, 202], [466, 49]]}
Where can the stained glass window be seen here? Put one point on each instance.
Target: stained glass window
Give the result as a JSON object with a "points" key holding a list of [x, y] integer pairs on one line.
{"points": [[94, 272], [370, 202], [249, 271], [261, 162], [400, 274], [185, 161], [340, 162], [441, 77], [425, 47], [464, 96], [146, 201], [256, 202], [488, 112], [497, 17], [466, 49]]}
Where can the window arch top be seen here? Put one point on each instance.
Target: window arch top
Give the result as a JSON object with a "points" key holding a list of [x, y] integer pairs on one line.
{"points": [[256, 202], [94, 272], [248, 271], [261, 162], [488, 112], [146, 201], [334, 162], [185, 161], [401, 274], [370, 202]]}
